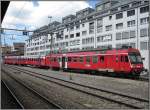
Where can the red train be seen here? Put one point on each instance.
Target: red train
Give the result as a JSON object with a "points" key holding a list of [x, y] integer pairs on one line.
{"points": [[125, 61]]}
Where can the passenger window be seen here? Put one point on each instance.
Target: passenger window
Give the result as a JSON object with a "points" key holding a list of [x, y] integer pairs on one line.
{"points": [[122, 59], [81, 59], [126, 59], [95, 59], [69, 59], [66, 59], [88, 59], [102, 59], [54, 59], [75, 59], [117, 59]]}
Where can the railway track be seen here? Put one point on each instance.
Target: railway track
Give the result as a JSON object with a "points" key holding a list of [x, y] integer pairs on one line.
{"points": [[45, 101], [16, 101], [141, 78], [129, 101]]}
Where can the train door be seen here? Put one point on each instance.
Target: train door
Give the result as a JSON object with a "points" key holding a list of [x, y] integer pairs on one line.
{"points": [[102, 60], [124, 63], [109, 63], [117, 63], [63, 62]]}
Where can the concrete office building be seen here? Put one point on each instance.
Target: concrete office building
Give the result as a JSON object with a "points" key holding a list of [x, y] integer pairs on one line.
{"points": [[112, 23]]}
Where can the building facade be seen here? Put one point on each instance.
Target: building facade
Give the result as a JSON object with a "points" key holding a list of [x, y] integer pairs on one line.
{"points": [[6, 50], [112, 23], [18, 49]]}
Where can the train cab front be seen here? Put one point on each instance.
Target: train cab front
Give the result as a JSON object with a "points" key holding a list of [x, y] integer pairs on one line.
{"points": [[136, 63]]}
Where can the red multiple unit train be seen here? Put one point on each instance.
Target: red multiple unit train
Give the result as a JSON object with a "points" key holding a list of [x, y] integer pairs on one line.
{"points": [[125, 61]]}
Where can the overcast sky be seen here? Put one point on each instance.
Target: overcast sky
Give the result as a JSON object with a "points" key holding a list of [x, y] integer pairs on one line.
{"points": [[34, 14]]}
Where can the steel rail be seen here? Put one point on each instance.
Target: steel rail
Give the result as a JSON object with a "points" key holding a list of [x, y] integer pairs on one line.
{"points": [[12, 94], [98, 89], [35, 92], [118, 93]]}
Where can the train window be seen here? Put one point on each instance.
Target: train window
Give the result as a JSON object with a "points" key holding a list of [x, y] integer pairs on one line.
{"points": [[122, 59], [55, 59], [95, 59], [126, 59], [69, 59], [59, 59], [117, 59], [81, 59], [51, 59], [66, 59], [75, 59], [102, 59], [88, 59]]}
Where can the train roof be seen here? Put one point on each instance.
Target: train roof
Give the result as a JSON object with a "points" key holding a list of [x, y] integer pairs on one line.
{"points": [[99, 51]]}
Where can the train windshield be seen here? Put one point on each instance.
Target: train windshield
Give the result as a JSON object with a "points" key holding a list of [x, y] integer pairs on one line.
{"points": [[135, 58]]}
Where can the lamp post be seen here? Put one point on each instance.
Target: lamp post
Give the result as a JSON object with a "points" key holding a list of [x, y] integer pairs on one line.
{"points": [[51, 42], [51, 34]]}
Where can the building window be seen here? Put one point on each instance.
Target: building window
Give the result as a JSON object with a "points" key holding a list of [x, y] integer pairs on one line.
{"points": [[109, 28], [71, 28], [124, 7], [119, 26], [100, 7], [118, 45], [110, 17], [118, 36], [72, 36], [83, 41], [119, 16], [78, 34], [136, 3], [84, 33], [144, 9], [143, 32], [132, 34], [130, 13], [78, 27], [99, 22], [125, 35], [114, 10], [104, 38], [131, 23], [146, 1], [83, 25], [132, 45], [144, 20], [126, 44], [88, 40], [99, 25], [66, 36], [91, 28], [99, 29], [143, 45]]}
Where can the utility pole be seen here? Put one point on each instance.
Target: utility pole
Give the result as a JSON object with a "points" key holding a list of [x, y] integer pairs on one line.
{"points": [[149, 40], [0, 50]]}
